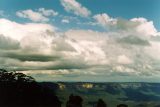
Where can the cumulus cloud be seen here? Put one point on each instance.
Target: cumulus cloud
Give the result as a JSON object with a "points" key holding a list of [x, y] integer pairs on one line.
{"points": [[75, 7], [134, 40], [48, 12], [34, 16], [123, 59], [154, 49], [43, 51], [17, 31], [87, 45], [37, 16], [7, 43], [139, 25], [145, 27], [105, 20]]}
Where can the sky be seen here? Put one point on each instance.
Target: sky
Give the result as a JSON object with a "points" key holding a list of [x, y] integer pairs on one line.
{"points": [[81, 40]]}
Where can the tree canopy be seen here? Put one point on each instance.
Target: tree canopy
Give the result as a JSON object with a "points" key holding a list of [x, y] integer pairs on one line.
{"points": [[20, 90]]}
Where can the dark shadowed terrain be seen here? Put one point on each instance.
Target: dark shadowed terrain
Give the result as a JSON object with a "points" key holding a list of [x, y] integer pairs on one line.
{"points": [[132, 94], [20, 90]]}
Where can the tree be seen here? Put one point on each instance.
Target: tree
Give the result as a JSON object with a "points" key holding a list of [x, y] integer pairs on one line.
{"points": [[74, 101], [20, 90], [122, 105], [101, 103], [6, 76]]}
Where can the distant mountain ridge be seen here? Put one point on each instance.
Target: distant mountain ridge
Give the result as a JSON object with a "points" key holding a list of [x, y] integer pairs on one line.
{"points": [[133, 94]]}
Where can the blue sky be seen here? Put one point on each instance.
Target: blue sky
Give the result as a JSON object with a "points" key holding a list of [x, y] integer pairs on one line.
{"points": [[81, 40], [126, 9]]}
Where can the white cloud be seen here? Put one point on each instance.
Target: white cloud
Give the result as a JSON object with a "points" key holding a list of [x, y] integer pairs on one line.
{"points": [[37, 16], [7, 43], [32, 15], [87, 45], [145, 27], [123, 59], [18, 31], [123, 69], [75, 7], [48, 12], [140, 26], [36, 47], [65, 21], [105, 20], [154, 49]]}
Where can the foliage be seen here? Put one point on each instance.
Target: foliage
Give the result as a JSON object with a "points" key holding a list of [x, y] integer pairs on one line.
{"points": [[20, 90]]}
